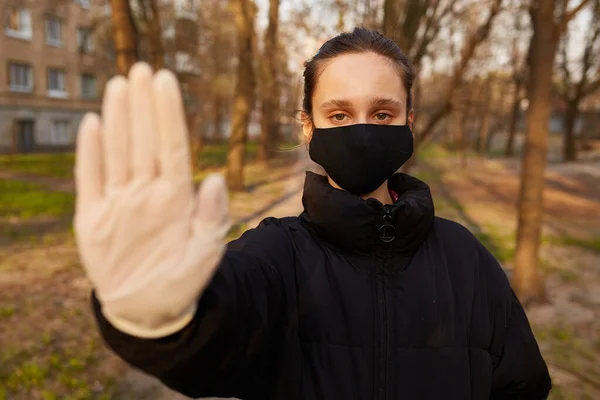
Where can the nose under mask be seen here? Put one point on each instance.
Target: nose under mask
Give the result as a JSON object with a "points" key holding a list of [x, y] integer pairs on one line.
{"points": [[361, 157]]}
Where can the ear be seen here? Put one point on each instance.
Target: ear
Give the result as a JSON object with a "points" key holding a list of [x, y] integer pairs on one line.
{"points": [[410, 118], [307, 127]]}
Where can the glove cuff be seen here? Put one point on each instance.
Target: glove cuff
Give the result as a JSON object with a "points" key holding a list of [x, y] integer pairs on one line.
{"points": [[165, 329]]}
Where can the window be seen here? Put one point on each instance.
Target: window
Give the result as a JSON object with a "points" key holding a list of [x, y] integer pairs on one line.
{"points": [[88, 86], [59, 133], [186, 9], [84, 40], [18, 23], [56, 83], [20, 78], [54, 32], [83, 3]]}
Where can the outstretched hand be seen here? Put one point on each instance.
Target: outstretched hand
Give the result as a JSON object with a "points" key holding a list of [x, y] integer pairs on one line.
{"points": [[148, 243]]}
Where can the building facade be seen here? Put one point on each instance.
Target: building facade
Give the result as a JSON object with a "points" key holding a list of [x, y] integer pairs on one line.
{"points": [[49, 74], [55, 61]]}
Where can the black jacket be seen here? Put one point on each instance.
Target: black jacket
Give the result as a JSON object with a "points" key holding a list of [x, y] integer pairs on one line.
{"points": [[327, 306]]}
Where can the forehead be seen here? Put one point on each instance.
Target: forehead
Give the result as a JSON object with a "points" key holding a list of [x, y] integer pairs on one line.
{"points": [[357, 77]]}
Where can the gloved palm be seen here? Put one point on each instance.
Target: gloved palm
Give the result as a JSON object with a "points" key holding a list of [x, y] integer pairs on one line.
{"points": [[148, 243]]}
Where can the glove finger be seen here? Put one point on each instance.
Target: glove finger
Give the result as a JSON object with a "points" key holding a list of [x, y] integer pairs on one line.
{"points": [[212, 207]]}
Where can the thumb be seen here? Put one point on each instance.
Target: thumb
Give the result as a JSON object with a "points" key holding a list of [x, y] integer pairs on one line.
{"points": [[212, 205]]}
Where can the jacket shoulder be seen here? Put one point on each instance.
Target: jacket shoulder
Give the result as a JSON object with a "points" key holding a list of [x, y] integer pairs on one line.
{"points": [[453, 232], [466, 252]]}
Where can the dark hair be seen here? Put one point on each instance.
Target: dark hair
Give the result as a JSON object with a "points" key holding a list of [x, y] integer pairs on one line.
{"points": [[360, 40]]}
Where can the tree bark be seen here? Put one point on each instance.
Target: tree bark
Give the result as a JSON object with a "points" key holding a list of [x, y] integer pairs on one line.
{"points": [[514, 119], [570, 144], [155, 33], [196, 139], [124, 35], [546, 34], [484, 125], [461, 146], [390, 18], [218, 119], [270, 92], [244, 11]]}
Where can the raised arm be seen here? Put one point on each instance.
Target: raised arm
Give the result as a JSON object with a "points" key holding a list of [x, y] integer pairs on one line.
{"points": [[229, 348], [152, 247]]}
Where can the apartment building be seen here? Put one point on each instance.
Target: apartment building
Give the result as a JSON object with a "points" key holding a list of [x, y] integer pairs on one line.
{"points": [[50, 74]]}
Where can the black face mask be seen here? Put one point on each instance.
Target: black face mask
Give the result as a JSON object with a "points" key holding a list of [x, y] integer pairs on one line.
{"points": [[360, 158]]}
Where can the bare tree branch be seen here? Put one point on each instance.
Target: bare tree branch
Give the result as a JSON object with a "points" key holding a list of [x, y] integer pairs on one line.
{"points": [[564, 65], [467, 52], [569, 15]]}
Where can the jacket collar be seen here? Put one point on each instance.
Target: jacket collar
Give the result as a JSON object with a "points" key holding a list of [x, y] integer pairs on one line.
{"points": [[355, 225]]}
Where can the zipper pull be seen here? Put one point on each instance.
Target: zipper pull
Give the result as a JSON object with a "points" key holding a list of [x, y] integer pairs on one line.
{"points": [[387, 231]]}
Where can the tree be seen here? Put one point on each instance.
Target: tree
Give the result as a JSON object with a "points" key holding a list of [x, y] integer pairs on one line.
{"points": [[573, 92], [244, 12], [151, 18], [485, 117], [414, 25], [519, 70], [124, 35], [270, 89], [549, 20], [471, 43]]}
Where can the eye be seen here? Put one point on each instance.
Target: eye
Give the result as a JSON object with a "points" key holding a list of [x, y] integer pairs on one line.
{"points": [[339, 117], [382, 116]]}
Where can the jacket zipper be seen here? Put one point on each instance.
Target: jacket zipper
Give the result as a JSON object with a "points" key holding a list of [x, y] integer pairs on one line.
{"points": [[387, 235]]}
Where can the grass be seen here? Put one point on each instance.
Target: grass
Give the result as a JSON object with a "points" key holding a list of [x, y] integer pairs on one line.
{"points": [[60, 165], [57, 165], [592, 244], [7, 311], [502, 246], [432, 151], [26, 200], [216, 155]]}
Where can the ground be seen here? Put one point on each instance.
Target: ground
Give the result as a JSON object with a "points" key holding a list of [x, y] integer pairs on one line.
{"points": [[49, 345]]}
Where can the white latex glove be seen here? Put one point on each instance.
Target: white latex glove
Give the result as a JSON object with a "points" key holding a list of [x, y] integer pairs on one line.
{"points": [[149, 245]]}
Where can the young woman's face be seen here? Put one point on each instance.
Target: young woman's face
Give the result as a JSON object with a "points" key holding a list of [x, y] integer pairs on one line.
{"points": [[363, 88]]}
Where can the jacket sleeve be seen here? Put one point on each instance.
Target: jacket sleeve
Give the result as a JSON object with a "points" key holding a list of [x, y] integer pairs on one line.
{"points": [[519, 371], [230, 347]]}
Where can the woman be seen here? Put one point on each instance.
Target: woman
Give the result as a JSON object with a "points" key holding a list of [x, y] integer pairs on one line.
{"points": [[365, 295]]}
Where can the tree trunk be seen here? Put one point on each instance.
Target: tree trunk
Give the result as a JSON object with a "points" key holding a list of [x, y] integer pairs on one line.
{"points": [[461, 116], [124, 35], [514, 119], [270, 93], [546, 34], [412, 162], [570, 145], [390, 18], [155, 33], [196, 139], [218, 120], [484, 125], [244, 11]]}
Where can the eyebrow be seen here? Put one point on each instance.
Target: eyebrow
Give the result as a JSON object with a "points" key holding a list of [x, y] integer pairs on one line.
{"points": [[375, 102]]}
